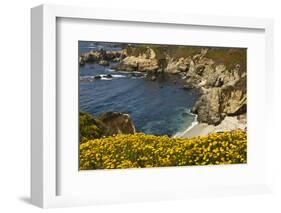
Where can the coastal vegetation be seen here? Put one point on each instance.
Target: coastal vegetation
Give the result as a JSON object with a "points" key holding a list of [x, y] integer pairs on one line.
{"points": [[109, 123], [141, 151]]}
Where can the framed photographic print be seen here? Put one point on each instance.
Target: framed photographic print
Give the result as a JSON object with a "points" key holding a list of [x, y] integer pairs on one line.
{"points": [[129, 106]]}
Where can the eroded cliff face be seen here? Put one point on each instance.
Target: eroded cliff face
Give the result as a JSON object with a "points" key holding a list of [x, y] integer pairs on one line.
{"points": [[219, 73], [118, 123], [143, 62], [224, 89], [218, 102]]}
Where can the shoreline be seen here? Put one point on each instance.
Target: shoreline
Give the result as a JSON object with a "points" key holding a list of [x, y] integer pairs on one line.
{"points": [[202, 129]]}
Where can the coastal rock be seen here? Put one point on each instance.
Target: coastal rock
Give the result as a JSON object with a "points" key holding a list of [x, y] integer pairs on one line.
{"points": [[101, 57], [118, 123], [108, 76], [234, 97], [91, 127], [208, 107], [223, 85], [217, 102], [153, 78], [144, 62], [103, 63], [177, 66], [107, 124], [97, 77]]}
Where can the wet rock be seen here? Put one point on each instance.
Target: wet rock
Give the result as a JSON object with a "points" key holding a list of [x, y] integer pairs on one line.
{"points": [[108, 76], [97, 77]]}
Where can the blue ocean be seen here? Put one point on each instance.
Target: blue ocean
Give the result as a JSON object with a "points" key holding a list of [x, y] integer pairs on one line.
{"points": [[159, 107]]}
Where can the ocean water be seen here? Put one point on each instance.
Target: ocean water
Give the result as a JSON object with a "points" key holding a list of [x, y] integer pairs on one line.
{"points": [[159, 107]]}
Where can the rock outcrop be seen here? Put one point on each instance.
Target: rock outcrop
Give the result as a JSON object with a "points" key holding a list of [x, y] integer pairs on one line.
{"points": [[224, 90], [144, 62], [106, 124], [91, 127], [175, 66], [101, 57], [118, 123]]}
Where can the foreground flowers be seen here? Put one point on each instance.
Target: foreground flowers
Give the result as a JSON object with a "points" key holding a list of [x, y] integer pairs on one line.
{"points": [[141, 150]]}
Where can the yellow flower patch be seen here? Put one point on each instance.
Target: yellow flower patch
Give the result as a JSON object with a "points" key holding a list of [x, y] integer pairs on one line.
{"points": [[142, 151]]}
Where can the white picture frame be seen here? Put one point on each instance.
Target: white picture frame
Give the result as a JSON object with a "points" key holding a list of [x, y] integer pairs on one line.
{"points": [[44, 154]]}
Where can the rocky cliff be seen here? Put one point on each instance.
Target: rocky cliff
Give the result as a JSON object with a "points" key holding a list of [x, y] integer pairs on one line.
{"points": [[102, 57], [143, 62], [106, 124], [220, 73], [119, 123], [223, 85]]}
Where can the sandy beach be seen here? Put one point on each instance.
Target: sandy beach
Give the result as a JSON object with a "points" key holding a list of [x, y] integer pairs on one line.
{"points": [[202, 129]]}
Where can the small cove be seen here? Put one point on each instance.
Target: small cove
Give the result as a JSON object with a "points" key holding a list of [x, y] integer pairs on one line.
{"points": [[159, 107]]}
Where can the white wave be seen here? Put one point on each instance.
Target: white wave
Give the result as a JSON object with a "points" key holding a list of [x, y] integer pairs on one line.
{"points": [[119, 76], [109, 70], [112, 76], [105, 78]]}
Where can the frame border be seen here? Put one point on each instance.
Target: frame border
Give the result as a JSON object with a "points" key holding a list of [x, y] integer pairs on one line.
{"points": [[43, 90]]}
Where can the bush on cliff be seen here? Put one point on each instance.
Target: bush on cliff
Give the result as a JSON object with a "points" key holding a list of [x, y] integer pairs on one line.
{"points": [[90, 127], [141, 150], [106, 124]]}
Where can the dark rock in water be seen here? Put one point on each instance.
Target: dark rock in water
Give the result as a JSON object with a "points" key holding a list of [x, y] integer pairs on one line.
{"points": [[97, 77], [119, 123], [108, 76], [136, 75], [103, 63], [153, 78]]}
